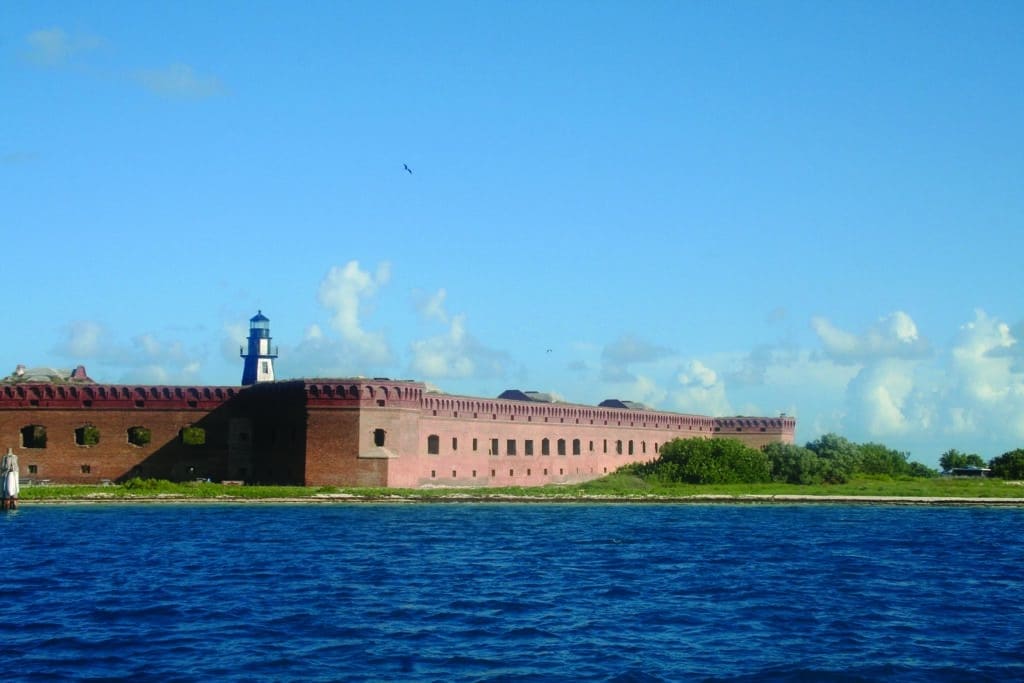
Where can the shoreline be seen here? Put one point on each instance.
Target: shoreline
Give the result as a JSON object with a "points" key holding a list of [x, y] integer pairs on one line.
{"points": [[455, 498]]}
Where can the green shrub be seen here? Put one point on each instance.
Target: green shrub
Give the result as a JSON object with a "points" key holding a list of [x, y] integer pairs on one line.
{"points": [[88, 435], [139, 436], [707, 461], [1009, 465], [193, 436]]}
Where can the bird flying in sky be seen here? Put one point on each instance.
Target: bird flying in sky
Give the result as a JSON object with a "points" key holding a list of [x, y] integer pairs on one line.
{"points": [[406, 167]]}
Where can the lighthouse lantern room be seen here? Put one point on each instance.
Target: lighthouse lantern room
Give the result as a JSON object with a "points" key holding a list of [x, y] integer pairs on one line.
{"points": [[259, 359]]}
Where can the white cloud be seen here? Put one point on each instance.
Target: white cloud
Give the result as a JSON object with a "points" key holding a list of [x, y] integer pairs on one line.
{"points": [[55, 47], [432, 307], [454, 354], [84, 340], [342, 292], [146, 358], [627, 350], [699, 390], [894, 336], [179, 81], [879, 399], [987, 390], [314, 333]]}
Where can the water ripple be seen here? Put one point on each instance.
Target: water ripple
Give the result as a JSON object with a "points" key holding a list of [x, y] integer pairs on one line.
{"points": [[514, 593]]}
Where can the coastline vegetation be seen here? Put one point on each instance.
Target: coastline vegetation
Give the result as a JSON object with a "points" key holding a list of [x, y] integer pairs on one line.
{"points": [[686, 469], [622, 486]]}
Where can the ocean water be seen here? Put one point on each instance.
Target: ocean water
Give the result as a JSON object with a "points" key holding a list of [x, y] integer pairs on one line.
{"points": [[481, 592]]}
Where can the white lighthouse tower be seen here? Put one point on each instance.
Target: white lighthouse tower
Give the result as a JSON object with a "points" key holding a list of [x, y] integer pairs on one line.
{"points": [[259, 359]]}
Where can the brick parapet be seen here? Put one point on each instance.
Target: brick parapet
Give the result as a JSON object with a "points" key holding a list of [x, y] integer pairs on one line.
{"points": [[113, 396], [360, 392], [510, 410]]}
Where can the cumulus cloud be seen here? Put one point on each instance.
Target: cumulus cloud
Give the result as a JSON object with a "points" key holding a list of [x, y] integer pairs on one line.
{"points": [[698, 389], [146, 358], [455, 354], [84, 339], [343, 291], [988, 388], [179, 81], [879, 399], [754, 366], [431, 307], [55, 47], [627, 350], [894, 336]]}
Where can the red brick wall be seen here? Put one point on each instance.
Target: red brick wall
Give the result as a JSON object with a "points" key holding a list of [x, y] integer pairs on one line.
{"points": [[322, 433], [114, 458]]}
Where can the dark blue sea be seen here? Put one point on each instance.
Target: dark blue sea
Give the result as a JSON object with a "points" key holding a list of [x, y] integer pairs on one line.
{"points": [[481, 592]]}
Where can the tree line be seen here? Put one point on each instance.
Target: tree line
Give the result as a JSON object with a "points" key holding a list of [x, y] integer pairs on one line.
{"points": [[830, 459]]}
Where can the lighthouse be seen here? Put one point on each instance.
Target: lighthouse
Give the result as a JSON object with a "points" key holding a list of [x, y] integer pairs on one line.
{"points": [[259, 359]]}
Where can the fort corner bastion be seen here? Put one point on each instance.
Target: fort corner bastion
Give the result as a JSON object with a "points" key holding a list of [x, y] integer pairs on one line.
{"points": [[67, 428]]}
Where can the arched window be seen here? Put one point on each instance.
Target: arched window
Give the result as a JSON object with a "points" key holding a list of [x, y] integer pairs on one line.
{"points": [[561, 446], [575, 446], [545, 447], [433, 444]]}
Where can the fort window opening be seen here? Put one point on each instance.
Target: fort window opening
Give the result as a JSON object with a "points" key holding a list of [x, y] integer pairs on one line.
{"points": [[139, 436], [528, 447], [87, 435], [474, 445], [378, 437], [33, 436], [510, 447], [561, 446], [618, 447], [605, 446], [193, 436], [494, 447], [33, 469], [433, 444], [86, 469], [591, 446], [545, 447], [455, 443], [575, 446]]}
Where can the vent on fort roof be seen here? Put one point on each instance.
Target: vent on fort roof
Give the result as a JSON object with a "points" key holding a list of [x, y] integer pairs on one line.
{"points": [[628, 405], [517, 395]]}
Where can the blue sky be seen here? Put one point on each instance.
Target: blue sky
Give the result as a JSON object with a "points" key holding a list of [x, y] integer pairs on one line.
{"points": [[721, 208]]}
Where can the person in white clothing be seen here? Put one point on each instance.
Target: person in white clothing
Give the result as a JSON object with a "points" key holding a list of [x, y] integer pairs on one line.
{"points": [[10, 480]]}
